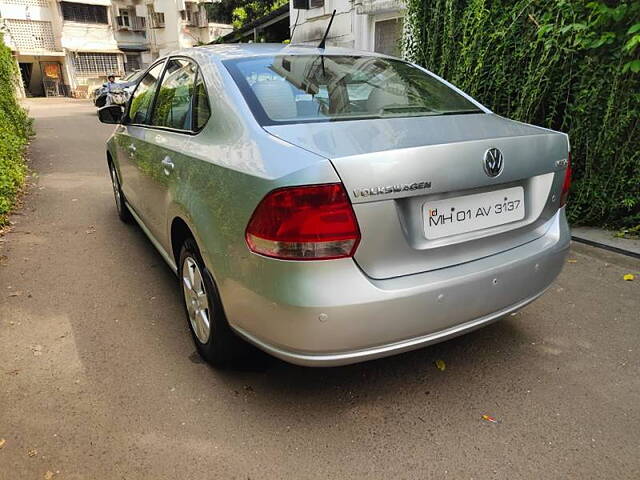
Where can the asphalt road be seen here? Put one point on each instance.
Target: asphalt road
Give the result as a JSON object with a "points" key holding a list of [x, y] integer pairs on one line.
{"points": [[99, 378]]}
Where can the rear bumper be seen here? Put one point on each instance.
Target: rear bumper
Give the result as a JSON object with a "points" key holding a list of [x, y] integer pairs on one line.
{"points": [[330, 313]]}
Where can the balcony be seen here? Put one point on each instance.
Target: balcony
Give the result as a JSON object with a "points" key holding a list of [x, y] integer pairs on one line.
{"points": [[156, 20], [131, 22], [197, 19], [374, 7]]}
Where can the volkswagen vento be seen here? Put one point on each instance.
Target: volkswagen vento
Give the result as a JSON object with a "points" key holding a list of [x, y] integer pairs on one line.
{"points": [[331, 206]]}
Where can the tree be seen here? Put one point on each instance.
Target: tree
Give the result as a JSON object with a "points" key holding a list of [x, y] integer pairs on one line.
{"points": [[241, 12]]}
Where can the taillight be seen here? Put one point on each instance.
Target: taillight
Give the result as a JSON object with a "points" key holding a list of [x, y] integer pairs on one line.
{"points": [[566, 185], [314, 222]]}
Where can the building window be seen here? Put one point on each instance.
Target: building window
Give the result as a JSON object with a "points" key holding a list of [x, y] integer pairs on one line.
{"points": [[387, 37], [133, 62], [31, 35], [81, 12], [87, 64], [123, 18], [156, 19]]}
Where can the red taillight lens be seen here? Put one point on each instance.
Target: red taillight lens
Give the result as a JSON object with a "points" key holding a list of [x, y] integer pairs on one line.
{"points": [[566, 185], [314, 222]]}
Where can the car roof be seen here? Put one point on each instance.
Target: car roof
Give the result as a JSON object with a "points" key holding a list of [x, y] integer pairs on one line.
{"points": [[229, 51]]}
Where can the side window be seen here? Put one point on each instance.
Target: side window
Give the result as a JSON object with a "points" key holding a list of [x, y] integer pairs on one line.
{"points": [[173, 104], [143, 95], [201, 109]]}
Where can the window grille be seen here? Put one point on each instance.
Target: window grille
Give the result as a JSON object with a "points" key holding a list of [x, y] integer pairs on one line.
{"points": [[387, 36], [31, 35], [31, 3], [133, 63], [81, 12], [96, 63]]}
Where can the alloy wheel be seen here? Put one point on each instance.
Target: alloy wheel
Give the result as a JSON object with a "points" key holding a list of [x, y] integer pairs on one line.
{"points": [[116, 188], [196, 299]]}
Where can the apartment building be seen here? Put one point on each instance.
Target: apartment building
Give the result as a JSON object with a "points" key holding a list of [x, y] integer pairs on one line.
{"points": [[179, 24], [374, 25], [68, 47], [32, 29]]}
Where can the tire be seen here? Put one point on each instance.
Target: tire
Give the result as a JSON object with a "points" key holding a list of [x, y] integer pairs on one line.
{"points": [[219, 345], [123, 212]]}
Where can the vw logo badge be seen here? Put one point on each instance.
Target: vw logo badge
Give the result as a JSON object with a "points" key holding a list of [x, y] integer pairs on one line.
{"points": [[493, 162]]}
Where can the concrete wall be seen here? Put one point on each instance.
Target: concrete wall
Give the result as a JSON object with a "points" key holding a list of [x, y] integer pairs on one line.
{"points": [[353, 25], [88, 37], [313, 23], [35, 13]]}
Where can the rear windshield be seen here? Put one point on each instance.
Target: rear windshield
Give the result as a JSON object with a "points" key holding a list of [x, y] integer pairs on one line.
{"points": [[286, 89]]}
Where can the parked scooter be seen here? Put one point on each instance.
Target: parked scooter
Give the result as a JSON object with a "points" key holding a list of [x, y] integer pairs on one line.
{"points": [[113, 93]]}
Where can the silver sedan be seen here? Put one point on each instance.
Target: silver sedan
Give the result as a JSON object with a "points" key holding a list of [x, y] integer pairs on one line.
{"points": [[331, 206]]}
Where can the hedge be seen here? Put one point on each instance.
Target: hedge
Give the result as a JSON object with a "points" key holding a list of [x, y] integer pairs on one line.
{"points": [[15, 129], [568, 65]]}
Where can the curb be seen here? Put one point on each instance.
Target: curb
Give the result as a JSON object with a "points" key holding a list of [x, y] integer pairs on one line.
{"points": [[604, 246]]}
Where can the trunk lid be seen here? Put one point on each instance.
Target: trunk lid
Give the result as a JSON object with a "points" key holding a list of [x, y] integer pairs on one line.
{"points": [[395, 169]]}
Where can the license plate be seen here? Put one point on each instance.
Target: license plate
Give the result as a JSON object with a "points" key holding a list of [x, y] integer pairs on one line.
{"points": [[457, 215]]}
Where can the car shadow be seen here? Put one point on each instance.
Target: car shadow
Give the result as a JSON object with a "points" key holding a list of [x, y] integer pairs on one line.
{"points": [[466, 357]]}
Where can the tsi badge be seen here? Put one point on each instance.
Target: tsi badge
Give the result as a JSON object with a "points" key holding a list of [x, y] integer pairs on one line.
{"points": [[493, 162]]}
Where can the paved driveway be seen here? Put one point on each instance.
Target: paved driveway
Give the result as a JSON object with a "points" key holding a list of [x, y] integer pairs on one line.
{"points": [[99, 379]]}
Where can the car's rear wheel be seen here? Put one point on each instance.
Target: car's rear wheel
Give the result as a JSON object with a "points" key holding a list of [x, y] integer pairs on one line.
{"points": [[123, 212], [214, 339]]}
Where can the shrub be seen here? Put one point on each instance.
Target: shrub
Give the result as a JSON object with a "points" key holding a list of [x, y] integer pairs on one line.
{"points": [[568, 65], [15, 129]]}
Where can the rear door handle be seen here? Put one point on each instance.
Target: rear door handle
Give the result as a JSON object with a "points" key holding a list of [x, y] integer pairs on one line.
{"points": [[167, 165]]}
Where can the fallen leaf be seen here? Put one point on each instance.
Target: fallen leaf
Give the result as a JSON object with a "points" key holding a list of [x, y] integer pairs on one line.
{"points": [[48, 475], [32, 453], [489, 418], [571, 260], [2, 442], [629, 277], [441, 365]]}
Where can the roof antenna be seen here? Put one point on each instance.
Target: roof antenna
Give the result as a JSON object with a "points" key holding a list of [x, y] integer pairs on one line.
{"points": [[326, 32]]}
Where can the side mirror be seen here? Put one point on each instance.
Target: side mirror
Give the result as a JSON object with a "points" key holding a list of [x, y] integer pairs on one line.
{"points": [[110, 114]]}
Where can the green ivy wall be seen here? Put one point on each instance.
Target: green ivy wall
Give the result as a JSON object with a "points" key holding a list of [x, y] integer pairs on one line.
{"points": [[15, 128], [572, 66]]}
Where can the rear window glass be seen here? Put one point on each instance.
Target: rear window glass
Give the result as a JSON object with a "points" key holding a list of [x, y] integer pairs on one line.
{"points": [[285, 89]]}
